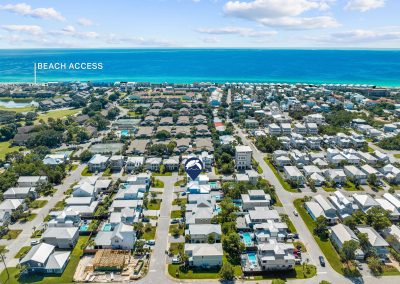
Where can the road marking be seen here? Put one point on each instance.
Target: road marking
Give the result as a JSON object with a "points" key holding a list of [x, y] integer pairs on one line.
{"points": [[322, 272], [153, 270]]}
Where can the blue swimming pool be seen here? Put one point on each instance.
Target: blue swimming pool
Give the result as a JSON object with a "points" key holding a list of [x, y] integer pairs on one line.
{"points": [[106, 228], [252, 258], [124, 132], [84, 228], [247, 239], [217, 209]]}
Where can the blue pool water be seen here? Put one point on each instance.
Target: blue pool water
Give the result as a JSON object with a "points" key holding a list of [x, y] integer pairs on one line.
{"points": [[252, 258], [217, 209], [247, 239], [377, 67], [124, 132], [84, 228], [106, 228]]}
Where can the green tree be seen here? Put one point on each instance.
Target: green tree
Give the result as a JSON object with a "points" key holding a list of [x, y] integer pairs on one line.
{"points": [[321, 227], [378, 218], [227, 272], [375, 265], [211, 239], [348, 250], [233, 246]]}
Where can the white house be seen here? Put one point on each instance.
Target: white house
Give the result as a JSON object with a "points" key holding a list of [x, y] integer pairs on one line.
{"points": [[255, 198], [61, 237], [375, 240], [200, 233], [31, 181], [204, 255], [243, 156], [98, 163], [356, 174], [123, 237], [276, 256], [134, 163], [293, 174]]}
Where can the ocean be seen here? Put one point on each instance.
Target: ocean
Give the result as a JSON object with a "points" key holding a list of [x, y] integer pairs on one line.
{"points": [[376, 67]]}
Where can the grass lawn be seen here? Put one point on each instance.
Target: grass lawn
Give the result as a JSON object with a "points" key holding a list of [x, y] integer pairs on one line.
{"points": [[325, 245], [166, 174], [397, 156], [297, 273], [349, 186], [284, 183], [31, 217], [107, 172], [180, 182], [179, 201], [72, 167], [56, 114], [290, 225], [176, 248], [22, 252], [59, 205], [154, 204], [18, 109], [174, 271], [36, 234], [176, 214], [158, 183], [389, 270], [86, 172], [150, 235], [65, 277], [5, 149], [298, 243], [329, 189], [370, 150], [38, 204], [175, 226], [11, 234]]}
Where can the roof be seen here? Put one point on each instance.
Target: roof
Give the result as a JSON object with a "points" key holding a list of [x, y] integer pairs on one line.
{"points": [[58, 259], [242, 148], [39, 253], [344, 233], [204, 229], [205, 249], [60, 232], [374, 238]]}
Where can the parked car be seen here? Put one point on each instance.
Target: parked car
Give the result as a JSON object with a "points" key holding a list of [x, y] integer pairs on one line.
{"points": [[295, 213], [174, 221], [176, 260], [151, 242], [322, 261], [35, 242]]}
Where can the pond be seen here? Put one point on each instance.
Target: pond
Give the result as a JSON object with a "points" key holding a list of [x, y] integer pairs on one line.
{"points": [[13, 104]]}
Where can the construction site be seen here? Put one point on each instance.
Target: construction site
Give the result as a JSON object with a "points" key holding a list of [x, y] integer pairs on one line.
{"points": [[107, 265]]}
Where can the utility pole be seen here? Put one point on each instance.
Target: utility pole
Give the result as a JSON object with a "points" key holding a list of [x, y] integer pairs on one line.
{"points": [[5, 266]]}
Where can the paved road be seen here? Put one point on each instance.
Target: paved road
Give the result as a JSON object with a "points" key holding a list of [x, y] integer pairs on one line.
{"points": [[23, 239], [158, 259]]}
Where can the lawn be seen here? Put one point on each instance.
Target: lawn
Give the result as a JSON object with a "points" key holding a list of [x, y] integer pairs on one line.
{"points": [[154, 204], [18, 109], [175, 271], [86, 173], [349, 186], [31, 217], [176, 248], [179, 201], [298, 243], [38, 204], [176, 214], [180, 182], [166, 174], [56, 114], [284, 183], [158, 183], [107, 172], [176, 226], [325, 245], [290, 225], [397, 156], [329, 189], [5, 148], [150, 235], [59, 206], [71, 167], [36, 234], [66, 277], [11, 234], [297, 273], [389, 270], [22, 252]]}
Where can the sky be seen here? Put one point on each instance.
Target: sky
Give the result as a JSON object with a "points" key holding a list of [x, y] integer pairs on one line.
{"points": [[200, 23]]}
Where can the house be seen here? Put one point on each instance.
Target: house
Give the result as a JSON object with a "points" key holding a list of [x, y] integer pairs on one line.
{"points": [[243, 157], [204, 255], [375, 240], [261, 215], [183, 144], [200, 233], [274, 129], [119, 205], [55, 159], [98, 163], [83, 190], [340, 234], [5, 218], [199, 215], [336, 176], [312, 128], [368, 170], [364, 202], [123, 237], [293, 175], [286, 128], [394, 214], [117, 162], [31, 181], [153, 163], [61, 237], [392, 199], [171, 164], [276, 256], [314, 209], [10, 205], [355, 174], [250, 123], [327, 207], [65, 218], [393, 231], [20, 193], [343, 206], [264, 232], [391, 173], [255, 198], [300, 128], [134, 163], [43, 258]]}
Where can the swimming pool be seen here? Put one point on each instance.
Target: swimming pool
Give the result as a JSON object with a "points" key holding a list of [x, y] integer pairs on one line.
{"points": [[106, 227], [124, 132], [252, 258], [247, 239], [217, 209], [84, 228]]}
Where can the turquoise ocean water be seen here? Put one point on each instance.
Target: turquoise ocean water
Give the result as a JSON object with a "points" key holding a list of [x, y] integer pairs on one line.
{"points": [[377, 67]]}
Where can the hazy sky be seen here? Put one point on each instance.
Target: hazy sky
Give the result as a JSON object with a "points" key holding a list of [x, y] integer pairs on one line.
{"points": [[200, 23]]}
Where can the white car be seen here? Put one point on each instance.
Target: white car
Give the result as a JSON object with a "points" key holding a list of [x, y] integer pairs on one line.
{"points": [[295, 213], [175, 260]]}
